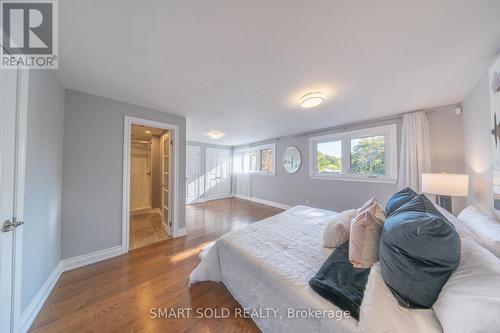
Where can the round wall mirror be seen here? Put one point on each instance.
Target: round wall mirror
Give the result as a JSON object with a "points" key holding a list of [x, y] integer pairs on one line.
{"points": [[292, 160]]}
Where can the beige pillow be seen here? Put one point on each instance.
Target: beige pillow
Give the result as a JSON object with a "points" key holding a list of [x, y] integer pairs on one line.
{"points": [[366, 205], [365, 235], [337, 230]]}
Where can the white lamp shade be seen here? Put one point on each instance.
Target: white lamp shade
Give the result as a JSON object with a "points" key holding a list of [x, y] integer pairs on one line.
{"points": [[455, 185]]}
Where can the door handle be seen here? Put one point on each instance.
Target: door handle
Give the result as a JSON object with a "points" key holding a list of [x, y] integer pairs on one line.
{"points": [[9, 225]]}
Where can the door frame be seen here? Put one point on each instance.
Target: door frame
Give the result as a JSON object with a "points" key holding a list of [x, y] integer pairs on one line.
{"points": [[19, 191], [230, 171], [174, 198], [166, 226]]}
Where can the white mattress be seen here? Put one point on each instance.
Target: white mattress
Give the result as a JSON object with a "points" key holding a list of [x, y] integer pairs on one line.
{"points": [[268, 265]]}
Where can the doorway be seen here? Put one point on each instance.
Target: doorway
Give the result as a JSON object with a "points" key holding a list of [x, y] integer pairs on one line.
{"points": [[149, 186], [218, 173], [150, 183], [13, 137]]}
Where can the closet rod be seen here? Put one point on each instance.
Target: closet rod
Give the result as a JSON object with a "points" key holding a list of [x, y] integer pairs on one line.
{"points": [[143, 142]]}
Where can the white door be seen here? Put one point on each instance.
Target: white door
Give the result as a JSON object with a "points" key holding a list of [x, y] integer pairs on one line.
{"points": [[218, 171], [193, 159], [8, 90], [166, 168]]}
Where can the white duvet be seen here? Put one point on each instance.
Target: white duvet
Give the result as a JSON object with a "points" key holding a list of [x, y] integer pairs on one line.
{"points": [[267, 265]]}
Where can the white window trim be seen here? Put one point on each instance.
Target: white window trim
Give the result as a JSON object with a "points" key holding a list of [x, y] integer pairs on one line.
{"points": [[391, 149], [258, 150]]}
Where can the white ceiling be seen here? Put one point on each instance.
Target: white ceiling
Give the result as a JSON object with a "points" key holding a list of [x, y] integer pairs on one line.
{"points": [[241, 66]]}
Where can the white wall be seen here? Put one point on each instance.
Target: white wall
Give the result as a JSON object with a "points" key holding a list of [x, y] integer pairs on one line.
{"points": [[478, 145], [44, 159], [93, 168]]}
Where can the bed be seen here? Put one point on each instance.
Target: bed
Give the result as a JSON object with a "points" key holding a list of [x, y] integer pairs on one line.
{"points": [[268, 264]]}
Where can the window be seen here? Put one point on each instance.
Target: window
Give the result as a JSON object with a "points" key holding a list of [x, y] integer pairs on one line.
{"points": [[368, 155], [266, 160], [364, 155], [328, 157], [257, 160]]}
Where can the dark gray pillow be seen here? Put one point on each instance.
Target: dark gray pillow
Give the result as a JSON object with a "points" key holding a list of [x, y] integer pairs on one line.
{"points": [[419, 249], [399, 199]]}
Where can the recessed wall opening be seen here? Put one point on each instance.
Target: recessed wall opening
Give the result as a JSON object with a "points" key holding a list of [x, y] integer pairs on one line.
{"points": [[150, 165], [150, 183]]}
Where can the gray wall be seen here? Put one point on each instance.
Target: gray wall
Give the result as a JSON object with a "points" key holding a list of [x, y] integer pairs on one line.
{"points": [[92, 172], [478, 146], [299, 189], [42, 217], [447, 145], [203, 147]]}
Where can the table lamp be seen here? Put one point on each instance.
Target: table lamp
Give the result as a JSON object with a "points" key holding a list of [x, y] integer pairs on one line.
{"points": [[445, 186]]}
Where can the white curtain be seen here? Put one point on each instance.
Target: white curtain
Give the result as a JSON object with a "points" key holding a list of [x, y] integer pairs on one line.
{"points": [[415, 156], [241, 174]]}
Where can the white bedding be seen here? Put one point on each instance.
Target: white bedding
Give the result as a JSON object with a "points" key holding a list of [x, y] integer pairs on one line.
{"points": [[268, 265]]}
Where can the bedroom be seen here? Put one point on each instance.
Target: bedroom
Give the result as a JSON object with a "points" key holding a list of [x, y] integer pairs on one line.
{"points": [[287, 118]]}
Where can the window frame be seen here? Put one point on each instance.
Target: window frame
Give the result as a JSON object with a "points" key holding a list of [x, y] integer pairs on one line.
{"points": [[390, 148], [257, 150]]}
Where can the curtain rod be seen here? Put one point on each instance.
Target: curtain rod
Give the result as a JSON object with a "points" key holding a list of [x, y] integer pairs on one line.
{"points": [[358, 124]]}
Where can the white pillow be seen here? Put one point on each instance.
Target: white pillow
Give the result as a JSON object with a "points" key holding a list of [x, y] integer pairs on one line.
{"points": [[484, 227], [470, 299], [380, 311], [462, 229], [337, 230]]}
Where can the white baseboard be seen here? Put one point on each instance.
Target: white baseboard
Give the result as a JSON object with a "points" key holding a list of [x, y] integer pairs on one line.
{"points": [[90, 258], [180, 232], [164, 226], [264, 202], [218, 197], [140, 211], [156, 211], [30, 313]]}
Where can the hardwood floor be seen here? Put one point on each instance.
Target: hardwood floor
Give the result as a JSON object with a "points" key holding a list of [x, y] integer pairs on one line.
{"points": [[146, 229], [118, 294]]}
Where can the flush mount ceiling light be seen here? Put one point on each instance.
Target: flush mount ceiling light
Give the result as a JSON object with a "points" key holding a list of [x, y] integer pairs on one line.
{"points": [[215, 134], [147, 132], [311, 100]]}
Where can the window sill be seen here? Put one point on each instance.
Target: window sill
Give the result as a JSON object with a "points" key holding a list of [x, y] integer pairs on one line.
{"points": [[356, 179]]}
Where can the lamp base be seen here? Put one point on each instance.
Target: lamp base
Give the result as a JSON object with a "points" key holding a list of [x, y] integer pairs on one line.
{"points": [[444, 201]]}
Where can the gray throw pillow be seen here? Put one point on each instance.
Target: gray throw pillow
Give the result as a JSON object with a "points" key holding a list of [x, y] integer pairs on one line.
{"points": [[419, 249]]}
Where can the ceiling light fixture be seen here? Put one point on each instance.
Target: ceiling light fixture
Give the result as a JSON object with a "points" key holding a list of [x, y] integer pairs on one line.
{"points": [[215, 134], [311, 100], [147, 132]]}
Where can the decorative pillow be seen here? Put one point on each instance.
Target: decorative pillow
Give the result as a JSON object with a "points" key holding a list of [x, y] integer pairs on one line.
{"points": [[484, 227], [365, 235], [366, 205], [339, 282], [470, 300], [337, 230], [419, 249], [399, 199]]}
